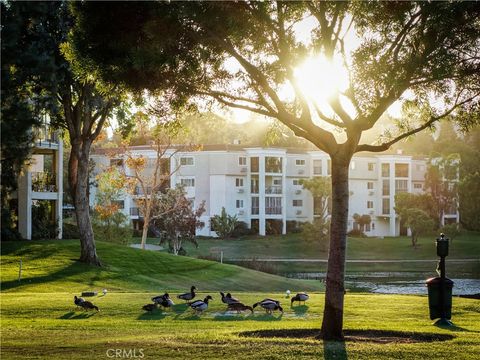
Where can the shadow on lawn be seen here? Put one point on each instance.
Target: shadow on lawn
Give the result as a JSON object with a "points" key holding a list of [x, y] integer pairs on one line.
{"points": [[375, 336], [154, 315], [300, 310], [72, 315]]}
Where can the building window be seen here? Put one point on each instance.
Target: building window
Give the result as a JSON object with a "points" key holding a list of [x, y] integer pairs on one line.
{"points": [[296, 182], [297, 203], [373, 226], [300, 162], [186, 161], [371, 166], [238, 182], [367, 227], [386, 206], [254, 164], [385, 170], [255, 205], [401, 186], [188, 182], [273, 164], [242, 161], [239, 204], [401, 170], [418, 186], [277, 182], [386, 188], [370, 185], [369, 204], [317, 167], [273, 205]]}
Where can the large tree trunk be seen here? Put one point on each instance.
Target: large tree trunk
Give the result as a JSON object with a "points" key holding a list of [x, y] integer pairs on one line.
{"points": [[78, 181], [332, 325]]}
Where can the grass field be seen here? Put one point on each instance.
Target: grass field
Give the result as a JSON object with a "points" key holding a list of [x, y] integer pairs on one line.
{"points": [[51, 266], [39, 320], [46, 326], [467, 246]]}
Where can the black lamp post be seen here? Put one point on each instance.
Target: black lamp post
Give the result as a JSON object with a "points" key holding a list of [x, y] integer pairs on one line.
{"points": [[440, 288]]}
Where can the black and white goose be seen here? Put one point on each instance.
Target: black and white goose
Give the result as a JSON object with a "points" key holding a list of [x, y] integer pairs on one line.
{"points": [[78, 301], [166, 301], [228, 299], [188, 296], [269, 305], [200, 305], [300, 297], [159, 298]]}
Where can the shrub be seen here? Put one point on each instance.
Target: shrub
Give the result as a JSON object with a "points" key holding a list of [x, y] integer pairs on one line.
{"points": [[356, 233], [223, 224], [318, 231], [241, 229], [115, 229], [70, 231]]}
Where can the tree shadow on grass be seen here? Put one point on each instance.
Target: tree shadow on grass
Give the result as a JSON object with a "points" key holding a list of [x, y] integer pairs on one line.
{"points": [[72, 315], [375, 336], [334, 350], [233, 316], [153, 315]]}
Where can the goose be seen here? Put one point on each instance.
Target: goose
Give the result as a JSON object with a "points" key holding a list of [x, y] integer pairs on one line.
{"points": [[228, 299], [269, 305], [300, 297], [159, 298], [149, 307], [188, 296], [239, 307], [232, 299], [87, 305], [199, 306], [78, 301]]}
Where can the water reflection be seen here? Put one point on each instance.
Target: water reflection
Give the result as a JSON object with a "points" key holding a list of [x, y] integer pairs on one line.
{"points": [[396, 282]]}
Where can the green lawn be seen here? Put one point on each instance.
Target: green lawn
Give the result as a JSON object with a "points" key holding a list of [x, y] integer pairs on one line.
{"points": [[39, 320], [466, 246], [50, 266], [294, 246], [46, 326]]}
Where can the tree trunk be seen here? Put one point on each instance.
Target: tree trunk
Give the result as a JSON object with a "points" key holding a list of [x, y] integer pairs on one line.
{"points": [[78, 179], [332, 325], [146, 222]]}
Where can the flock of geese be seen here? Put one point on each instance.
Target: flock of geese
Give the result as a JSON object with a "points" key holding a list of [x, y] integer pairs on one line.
{"points": [[199, 306]]}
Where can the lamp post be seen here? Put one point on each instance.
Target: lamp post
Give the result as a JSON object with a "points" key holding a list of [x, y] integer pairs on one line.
{"points": [[440, 288]]}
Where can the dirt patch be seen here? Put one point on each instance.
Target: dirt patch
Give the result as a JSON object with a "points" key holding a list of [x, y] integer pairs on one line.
{"points": [[375, 336]]}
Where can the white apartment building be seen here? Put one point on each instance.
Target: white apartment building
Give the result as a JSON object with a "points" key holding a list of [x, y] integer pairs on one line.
{"points": [[261, 185], [41, 180]]}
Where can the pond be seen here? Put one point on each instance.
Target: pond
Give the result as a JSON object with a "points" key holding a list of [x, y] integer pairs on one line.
{"points": [[396, 282]]}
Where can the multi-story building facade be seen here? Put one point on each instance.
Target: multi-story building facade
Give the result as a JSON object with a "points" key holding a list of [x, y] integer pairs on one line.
{"points": [[262, 185], [41, 181]]}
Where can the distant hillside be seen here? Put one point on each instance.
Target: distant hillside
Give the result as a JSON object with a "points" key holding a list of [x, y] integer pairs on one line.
{"points": [[51, 266]]}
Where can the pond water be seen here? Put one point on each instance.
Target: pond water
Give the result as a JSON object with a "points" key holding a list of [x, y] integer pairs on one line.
{"points": [[396, 282]]}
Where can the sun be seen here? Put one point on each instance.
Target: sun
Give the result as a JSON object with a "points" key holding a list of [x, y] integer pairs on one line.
{"points": [[320, 78]]}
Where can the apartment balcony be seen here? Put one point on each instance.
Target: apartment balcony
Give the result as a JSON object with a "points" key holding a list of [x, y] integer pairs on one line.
{"points": [[46, 137], [255, 210], [44, 182], [273, 190], [277, 210]]}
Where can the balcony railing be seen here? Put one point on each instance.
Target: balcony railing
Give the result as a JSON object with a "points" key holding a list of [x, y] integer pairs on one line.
{"points": [[43, 182], [46, 135], [255, 210], [273, 190], [276, 210]]}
